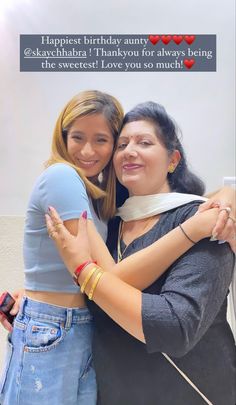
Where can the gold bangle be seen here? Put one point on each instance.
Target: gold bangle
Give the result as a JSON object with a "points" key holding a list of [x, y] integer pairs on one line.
{"points": [[96, 280], [90, 274]]}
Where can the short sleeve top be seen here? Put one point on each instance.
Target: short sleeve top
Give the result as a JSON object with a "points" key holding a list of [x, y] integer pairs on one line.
{"points": [[61, 187]]}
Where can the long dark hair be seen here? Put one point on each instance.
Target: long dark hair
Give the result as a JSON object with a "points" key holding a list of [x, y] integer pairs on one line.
{"points": [[182, 180]]}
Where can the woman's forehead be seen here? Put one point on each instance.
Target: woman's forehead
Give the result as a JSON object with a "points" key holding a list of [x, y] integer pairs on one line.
{"points": [[137, 128]]}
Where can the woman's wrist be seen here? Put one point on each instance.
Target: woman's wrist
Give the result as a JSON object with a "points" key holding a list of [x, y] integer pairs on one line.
{"points": [[76, 262], [80, 268], [193, 229], [89, 278], [84, 273]]}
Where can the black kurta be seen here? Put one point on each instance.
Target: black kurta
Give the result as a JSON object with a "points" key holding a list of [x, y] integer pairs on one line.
{"points": [[184, 315]]}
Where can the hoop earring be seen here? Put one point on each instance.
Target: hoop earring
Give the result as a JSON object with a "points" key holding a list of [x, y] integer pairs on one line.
{"points": [[100, 177]]}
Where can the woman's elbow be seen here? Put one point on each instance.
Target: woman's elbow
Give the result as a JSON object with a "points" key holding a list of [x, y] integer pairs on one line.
{"points": [[176, 343]]}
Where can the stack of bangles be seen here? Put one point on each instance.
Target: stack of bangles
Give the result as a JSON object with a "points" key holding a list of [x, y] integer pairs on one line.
{"points": [[95, 273]]}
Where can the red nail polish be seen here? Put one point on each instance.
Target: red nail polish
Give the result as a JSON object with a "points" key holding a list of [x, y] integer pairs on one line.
{"points": [[84, 215]]}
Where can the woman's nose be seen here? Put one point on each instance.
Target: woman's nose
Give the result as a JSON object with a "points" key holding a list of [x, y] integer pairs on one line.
{"points": [[130, 150], [87, 149]]}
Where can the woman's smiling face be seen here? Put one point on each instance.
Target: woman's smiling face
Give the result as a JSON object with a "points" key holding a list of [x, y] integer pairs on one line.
{"points": [[90, 144], [141, 161]]}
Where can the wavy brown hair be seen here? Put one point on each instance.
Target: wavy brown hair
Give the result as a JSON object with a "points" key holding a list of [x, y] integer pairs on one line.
{"points": [[87, 103]]}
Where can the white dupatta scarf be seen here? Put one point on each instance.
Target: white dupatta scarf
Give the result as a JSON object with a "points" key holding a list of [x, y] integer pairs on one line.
{"points": [[144, 206]]}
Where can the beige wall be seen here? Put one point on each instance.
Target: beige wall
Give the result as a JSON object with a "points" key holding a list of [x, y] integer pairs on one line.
{"points": [[11, 263]]}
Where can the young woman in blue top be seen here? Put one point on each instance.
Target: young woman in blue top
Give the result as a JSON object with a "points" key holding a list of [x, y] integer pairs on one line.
{"points": [[50, 349]]}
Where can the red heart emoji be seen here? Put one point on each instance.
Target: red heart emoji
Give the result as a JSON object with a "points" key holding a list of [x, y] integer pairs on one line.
{"points": [[154, 39], [178, 39], [189, 39], [189, 63], [166, 39]]}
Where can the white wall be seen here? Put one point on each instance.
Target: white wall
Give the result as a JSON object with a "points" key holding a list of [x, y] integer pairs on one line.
{"points": [[202, 103]]}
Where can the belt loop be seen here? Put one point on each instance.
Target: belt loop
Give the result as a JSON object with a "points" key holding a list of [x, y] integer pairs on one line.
{"points": [[68, 318], [22, 308]]}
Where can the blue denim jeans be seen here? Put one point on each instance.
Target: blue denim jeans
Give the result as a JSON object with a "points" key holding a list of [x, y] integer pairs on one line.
{"points": [[49, 357]]}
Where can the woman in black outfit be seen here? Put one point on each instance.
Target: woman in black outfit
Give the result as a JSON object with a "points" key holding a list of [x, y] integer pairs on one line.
{"points": [[169, 344]]}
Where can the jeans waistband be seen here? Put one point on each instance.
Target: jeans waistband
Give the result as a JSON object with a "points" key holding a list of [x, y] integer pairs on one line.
{"points": [[55, 313]]}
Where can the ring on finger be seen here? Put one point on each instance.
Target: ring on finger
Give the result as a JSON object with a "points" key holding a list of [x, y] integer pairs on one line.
{"points": [[58, 224], [227, 209], [51, 234]]}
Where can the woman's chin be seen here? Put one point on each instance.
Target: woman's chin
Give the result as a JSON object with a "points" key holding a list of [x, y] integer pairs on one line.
{"points": [[135, 190]]}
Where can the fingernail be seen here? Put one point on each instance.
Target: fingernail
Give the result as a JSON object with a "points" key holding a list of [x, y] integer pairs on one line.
{"points": [[213, 238], [84, 214], [49, 209]]}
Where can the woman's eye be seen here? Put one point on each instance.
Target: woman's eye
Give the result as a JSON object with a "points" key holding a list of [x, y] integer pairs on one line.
{"points": [[145, 143], [77, 138], [121, 146], [101, 140]]}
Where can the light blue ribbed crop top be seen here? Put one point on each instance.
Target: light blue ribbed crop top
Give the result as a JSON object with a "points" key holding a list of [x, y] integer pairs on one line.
{"points": [[61, 187]]}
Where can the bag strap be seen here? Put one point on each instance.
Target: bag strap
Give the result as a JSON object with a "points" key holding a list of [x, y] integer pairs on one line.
{"points": [[187, 379], [231, 312]]}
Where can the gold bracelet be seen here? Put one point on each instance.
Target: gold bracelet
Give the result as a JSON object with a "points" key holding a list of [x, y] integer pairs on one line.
{"points": [[96, 280], [90, 274]]}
